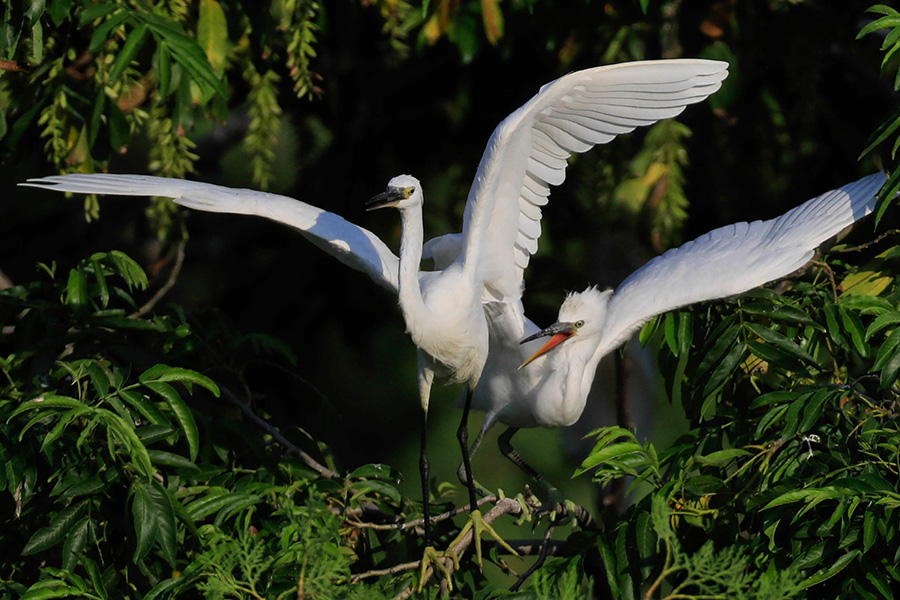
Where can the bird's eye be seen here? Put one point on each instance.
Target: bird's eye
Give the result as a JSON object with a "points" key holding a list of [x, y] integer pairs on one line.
{"points": [[579, 324], [408, 192]]}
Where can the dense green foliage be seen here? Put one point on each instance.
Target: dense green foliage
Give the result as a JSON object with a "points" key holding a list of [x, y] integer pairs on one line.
{"points": [[153, 450]]}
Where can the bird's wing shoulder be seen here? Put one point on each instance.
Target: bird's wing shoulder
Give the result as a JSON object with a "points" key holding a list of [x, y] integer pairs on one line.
{"points": [[527, 152], [354, 246], [734, 259]]}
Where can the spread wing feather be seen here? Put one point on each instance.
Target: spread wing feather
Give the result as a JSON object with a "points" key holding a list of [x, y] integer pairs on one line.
{"points": [[354, 246], [527, 152], [733, 259]]}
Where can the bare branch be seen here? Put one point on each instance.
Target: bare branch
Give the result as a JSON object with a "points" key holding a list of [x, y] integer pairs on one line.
{"points": [[168, 285], [861, 247], [278, 436], [416, 522]]}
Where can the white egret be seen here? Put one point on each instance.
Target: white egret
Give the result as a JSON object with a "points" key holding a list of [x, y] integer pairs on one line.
{"points": [[526, 154], [523, 385]]}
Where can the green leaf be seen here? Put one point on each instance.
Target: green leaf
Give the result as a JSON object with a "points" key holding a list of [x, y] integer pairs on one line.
{"points": [[376, 471], [102, 33], [49, 401], [182, 414], [145, 514], [378, 487], [609, 565], [165, 513], [881, 321], [812, 410], [826, 573], [59, 10], [75, 543], [133, 44], [56, 531], [169, 459], [57, 589], [889, 372], [96, 11], [787, 498], [780, 312], [144, 406], [610, 453], [780, 342], [126, 435], [721, 457], [130, 271], [76, 289], [163, 65], [833, 327], [164, 373], [212, 34], [213, 503], [870, 529], [119, 131], [887, 349], [854, 327], [723, 371]]}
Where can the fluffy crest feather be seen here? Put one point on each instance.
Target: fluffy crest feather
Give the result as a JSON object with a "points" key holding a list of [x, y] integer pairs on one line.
{"points": [[588, 305]]}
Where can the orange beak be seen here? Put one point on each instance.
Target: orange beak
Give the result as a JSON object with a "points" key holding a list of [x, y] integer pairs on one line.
{"points": [[559, 333]]}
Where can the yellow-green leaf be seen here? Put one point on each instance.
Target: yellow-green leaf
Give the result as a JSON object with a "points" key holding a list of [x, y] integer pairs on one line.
{"points": [[212, 34], [493, 20]]}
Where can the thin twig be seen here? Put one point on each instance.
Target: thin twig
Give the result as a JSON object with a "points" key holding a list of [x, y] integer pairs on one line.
{"points": [[168, 285], [538, 563], [416, 522], [830, 274], [523, 547], [391, 571], [865, 245], [504, 506], [277, 435]]}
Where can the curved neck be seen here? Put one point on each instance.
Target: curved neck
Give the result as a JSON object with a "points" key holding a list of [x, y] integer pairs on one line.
{"points": [[411, 239]]}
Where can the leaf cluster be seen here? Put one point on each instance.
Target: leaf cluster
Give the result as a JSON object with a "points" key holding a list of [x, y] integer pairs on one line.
{"points": [[790, 470], [124, 477]]}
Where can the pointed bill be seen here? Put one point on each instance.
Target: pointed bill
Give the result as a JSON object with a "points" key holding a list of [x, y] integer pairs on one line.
{"points": [[559, 333]]}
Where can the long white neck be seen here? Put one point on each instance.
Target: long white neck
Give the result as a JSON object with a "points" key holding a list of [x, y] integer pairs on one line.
{"points": [[411, 240]]}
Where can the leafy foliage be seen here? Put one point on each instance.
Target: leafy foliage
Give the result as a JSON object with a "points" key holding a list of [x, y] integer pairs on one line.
{"points": [[890, 21], [115, 480], [138, 451], [791, 457]]}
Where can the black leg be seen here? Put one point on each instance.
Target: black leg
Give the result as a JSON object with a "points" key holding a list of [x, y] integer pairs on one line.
{"points": [[461, 470], [462, 434], [423, 469], [505, 443]]}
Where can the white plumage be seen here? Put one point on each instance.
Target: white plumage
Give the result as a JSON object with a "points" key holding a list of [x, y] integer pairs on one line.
{"points": [[525, 156]]}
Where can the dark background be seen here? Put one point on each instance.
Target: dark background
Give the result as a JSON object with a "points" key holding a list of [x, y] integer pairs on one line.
{"points": [[802, 98]]}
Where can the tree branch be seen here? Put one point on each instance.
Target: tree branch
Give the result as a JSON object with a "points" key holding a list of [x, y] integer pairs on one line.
{"points": [[277, 435], [504, 506], [168, 285]]}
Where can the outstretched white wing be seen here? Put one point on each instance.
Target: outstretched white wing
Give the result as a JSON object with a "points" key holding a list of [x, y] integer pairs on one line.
{"points": [[527, 152], [354, 246], [733, 259]]}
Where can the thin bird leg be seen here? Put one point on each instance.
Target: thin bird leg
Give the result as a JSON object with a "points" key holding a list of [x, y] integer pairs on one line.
{"points": [[554, 496], [505, 443], [462, 434], [476, 522], [430, 557], [424, 471], [461, 470]]}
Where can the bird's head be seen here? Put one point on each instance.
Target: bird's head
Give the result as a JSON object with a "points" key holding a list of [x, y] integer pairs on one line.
{"points": [[581, 316], [402, 192]]}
